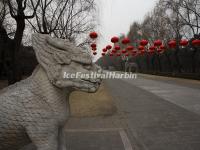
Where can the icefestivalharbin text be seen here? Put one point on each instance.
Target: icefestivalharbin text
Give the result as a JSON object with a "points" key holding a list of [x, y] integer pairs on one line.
{"points": [[94, 75]]}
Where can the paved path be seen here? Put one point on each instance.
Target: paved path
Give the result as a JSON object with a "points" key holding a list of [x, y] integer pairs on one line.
{"points": [[154, 113], [183, 95], [160, 113]]}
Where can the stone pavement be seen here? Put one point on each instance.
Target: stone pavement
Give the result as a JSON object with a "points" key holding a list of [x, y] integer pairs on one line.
{"points": [[146, 118], [98, 133]]}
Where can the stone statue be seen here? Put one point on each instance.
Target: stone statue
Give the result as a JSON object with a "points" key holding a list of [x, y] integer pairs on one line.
{"points": [[35, 110], [131, 66]]}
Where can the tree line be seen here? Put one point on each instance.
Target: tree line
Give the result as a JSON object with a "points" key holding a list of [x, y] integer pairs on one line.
{"points": [[170, 19]]}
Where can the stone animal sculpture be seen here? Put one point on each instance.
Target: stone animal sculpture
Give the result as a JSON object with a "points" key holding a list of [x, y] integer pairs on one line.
{"points": [[36, 109], [130, 66]]}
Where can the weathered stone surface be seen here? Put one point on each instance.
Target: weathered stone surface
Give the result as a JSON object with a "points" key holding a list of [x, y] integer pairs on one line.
{"points": [[35, 110]]}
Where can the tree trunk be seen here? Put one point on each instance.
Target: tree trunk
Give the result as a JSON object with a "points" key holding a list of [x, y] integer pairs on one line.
{"points": [[15, 73], [169, 63], [177, 60], [159, 63], [194, 60], [147, 62], [153, 63]]}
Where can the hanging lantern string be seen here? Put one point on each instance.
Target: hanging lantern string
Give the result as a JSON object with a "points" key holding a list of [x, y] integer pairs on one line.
{"points": [[144, 46]]}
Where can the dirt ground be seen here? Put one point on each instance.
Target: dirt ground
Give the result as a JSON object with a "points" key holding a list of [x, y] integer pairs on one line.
{"points": [[90, 105]]}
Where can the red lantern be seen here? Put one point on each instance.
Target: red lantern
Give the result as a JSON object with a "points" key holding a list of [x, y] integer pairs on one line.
{"points": [[144, 42], [184, 42], [118, 54], [141, 52], [196, 42], [160, 50], [104, 50], [151, 51], [134, 51], [95, 53], [141, 48], [152, 48], [114, 51], [94, 48], [93, 45], [93, 35], [157, 43], [108, 47], [126, 41], [123, 51], [134, 54], [115, 39], [117, 48], [162, 47], [172, 44], [103, 54], [127, 54], [130, 48]]}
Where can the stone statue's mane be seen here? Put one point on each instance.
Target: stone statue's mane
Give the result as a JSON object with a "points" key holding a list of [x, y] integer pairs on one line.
{"points": [[52, 53]]}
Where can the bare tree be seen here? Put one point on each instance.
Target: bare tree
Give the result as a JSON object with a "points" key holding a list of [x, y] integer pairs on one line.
{"points": [[65, 19], [2, 11], [187, 20], [188, 12], [135, 32], [170, 19], [18, 11]]}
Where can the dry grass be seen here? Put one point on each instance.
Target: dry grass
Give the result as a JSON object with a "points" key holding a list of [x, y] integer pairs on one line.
{"points": [[90, 105]]}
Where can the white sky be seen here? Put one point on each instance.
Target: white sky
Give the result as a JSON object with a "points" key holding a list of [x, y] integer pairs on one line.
{"points": [[116, 16]]}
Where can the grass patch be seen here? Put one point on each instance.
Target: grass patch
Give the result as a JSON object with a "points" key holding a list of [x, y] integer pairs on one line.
{"points": [[90, 105]]}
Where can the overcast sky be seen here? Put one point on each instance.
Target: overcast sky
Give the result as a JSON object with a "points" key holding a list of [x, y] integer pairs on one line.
{"points": [[116, 16]]}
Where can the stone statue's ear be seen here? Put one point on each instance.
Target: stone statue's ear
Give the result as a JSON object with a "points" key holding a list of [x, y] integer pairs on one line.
{"points": [[72, 52]]}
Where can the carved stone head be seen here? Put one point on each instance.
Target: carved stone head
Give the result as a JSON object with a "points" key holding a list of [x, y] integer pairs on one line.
{"points": [[58, 56]]}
